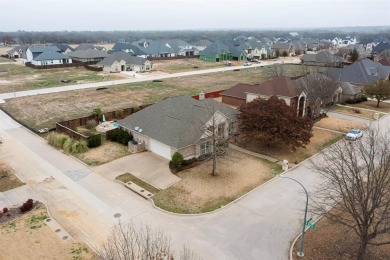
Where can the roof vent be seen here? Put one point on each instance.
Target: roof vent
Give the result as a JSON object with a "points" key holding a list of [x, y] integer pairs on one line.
{"points": [[140, 130], [136, 128]]}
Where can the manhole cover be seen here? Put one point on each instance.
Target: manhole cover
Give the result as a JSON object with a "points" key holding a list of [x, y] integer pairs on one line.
{"points": [[64, 237], [58, 230], [117, 215]]}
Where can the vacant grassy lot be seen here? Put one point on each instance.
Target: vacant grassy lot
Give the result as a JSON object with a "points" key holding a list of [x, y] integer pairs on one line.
{"points": [[26, 78], [320, 140], [8, 180], [356, 111], [44, 110], [105, 153], [5, 60], [173, 66], [369, 104], [338, 124], [199, 192], [28, 237]]}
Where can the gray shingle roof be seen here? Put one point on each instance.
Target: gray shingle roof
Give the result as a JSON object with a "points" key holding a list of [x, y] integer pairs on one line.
{"points": [[50, 55], [35, 49], [214, 48], [87, 54], [349, 89], [88, 46], [176, 121], [118, 56], [62, 47], [156, 48], [322, 57], [361, 72], [134, 50]]}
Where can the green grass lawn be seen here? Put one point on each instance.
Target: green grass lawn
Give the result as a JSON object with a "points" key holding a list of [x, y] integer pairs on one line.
{"points": [[353, 111], [5, 60], [127, 177], [371, 105]]}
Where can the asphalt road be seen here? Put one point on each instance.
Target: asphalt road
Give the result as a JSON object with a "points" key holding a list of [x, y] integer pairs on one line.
{"points": [[290, 60], [259, 226]]}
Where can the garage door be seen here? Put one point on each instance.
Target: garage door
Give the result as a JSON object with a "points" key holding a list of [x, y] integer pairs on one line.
{"points": [[160, 149]]}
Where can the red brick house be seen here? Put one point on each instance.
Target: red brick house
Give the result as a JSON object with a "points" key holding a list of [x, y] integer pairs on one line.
{"points": [[282, 87]]}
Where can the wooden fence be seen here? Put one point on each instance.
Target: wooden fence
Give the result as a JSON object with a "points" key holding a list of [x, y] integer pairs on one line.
{"points": [[179, 57], [214, 94]]}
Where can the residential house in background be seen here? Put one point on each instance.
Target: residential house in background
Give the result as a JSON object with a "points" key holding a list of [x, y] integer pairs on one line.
{"points": [[122, 61], [180, 124], [128, 48], [63, 47], [346, 50], [158, 49], [201, 44], [282, 87], [182, 48], [282, 47], [323, 58], [380, 47], [34, 51], [216, 52], [350, 91], [89, 55], [88, 46], [18, 51], [51, 58], [361, 73]]}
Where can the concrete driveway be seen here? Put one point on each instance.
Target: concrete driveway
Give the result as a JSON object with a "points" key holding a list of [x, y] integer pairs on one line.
{"points": [[146, 166]]}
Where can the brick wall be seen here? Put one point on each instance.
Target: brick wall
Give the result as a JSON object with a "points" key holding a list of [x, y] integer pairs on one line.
{"points": [[233, 101]]}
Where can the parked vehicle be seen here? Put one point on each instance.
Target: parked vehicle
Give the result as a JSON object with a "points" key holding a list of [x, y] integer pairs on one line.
{"points": [[247, 64], [354, 134], [255, 60]]}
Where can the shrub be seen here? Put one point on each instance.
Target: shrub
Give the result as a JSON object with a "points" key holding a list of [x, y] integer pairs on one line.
{"points": [[119, 114], [136, 109], [79, 147], [94, 141], [5, 210], [26, 206], [57, 140], [67, 147], [119, 135], [177, 160], [91, 124]]}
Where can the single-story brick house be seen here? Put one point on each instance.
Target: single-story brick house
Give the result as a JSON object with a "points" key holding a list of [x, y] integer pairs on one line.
{"points": [[122, 61], [180, 124], [282, 87]]}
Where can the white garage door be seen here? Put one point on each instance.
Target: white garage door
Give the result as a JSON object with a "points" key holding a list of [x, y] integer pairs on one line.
{"points": [[160, 149]]}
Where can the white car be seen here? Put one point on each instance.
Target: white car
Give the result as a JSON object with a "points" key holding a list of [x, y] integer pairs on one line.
{"points": [[247, 64], [354, 134]]}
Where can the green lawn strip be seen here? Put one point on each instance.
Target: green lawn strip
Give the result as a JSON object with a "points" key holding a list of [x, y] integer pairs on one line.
{"points": [[127, 177], [347, 110], [5, 60], [332, 141]]}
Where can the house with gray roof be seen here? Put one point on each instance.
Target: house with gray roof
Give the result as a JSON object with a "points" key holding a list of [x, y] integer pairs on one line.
{"points": [[201, 44], [122, 61], [156, 49], [34, 51], [361, 73], [182, 48], [89, 46], [323, 58], [51, 58], [88, 55], [350, 91], [65, 48], [180, 124], [219, 51], [281, 47], [128, 48], [18, 51]]}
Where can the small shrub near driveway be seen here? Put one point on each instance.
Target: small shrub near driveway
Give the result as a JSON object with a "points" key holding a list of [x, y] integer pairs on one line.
{"points": [[94, 141], [177, 160], [119, 135]]}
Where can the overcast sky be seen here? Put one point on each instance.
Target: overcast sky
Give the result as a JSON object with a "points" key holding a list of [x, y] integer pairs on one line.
{"points": [[93, 15]]}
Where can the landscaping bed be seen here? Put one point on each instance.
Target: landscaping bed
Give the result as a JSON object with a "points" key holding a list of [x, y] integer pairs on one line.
{"points": [[8, 179], [319, 140], [199, 192], [127, 177], [28, 237]]}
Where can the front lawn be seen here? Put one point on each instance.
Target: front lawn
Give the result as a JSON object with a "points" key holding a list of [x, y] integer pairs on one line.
{"points": [[355, 111], [105, 153], [199, 192], [319, 140], [338, 124], [8, 180], [370, 104]]}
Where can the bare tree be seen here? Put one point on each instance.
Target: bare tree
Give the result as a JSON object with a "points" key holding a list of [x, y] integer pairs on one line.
{"points": [[277, 70], [357, 186], [322, 92], [127, 242]]}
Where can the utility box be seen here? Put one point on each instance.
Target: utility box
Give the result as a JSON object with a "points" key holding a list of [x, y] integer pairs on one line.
{"points": [[376, 115], [285, 165]]}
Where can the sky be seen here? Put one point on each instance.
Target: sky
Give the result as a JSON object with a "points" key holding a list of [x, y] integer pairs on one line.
{"points": [[129, 15]]}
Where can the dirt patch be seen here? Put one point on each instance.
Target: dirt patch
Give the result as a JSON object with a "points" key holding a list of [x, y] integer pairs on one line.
{"points": [[319, 140], [179, 65], [333, 241], [8, 179], [338, 124], [105, 153], [27, 237], [198, 191]]}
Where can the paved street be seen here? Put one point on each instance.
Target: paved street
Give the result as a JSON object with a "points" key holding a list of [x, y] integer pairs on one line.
{"points": [[291, 60]]}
